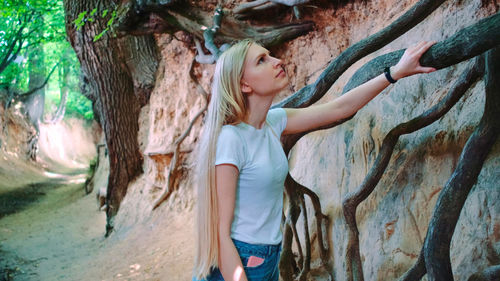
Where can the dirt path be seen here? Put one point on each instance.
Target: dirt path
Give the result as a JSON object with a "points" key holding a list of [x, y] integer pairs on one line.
{"points": [[59, 235]]}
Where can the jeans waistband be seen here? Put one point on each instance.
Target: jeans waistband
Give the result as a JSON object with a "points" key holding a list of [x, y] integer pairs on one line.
{"points": [[261, 248]]}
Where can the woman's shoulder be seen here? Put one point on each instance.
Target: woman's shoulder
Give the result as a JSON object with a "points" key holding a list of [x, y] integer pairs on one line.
{"points": [[276, 114], [277, 118], [229, 131]]}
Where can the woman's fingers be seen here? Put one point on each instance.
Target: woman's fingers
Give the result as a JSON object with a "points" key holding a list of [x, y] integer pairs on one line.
{"points": [[414, 49], [424, 69], [419, 46], [409, 63], [420, 51], [424, 47]]}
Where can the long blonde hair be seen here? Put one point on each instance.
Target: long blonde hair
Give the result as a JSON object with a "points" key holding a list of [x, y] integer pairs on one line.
{"points": [[227, 106]]}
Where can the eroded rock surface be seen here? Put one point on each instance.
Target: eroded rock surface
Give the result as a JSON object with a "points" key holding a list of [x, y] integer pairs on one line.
{"points": [[393, 220]]}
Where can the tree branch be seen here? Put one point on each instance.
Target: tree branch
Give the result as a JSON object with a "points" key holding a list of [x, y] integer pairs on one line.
{"points": [[44, 82], [10, 55]]}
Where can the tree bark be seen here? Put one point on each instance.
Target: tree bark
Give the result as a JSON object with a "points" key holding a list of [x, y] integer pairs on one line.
{"points": [[113, 70]]}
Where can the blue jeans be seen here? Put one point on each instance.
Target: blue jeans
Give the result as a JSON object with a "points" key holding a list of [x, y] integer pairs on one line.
{"points": [[267, 271]]}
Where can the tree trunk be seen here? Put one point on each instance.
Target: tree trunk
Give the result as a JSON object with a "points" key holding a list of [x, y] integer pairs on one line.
{"points": [[110, 85]]}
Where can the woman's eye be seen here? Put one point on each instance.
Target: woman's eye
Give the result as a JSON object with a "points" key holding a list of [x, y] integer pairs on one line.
{"points": [[261, 60]]}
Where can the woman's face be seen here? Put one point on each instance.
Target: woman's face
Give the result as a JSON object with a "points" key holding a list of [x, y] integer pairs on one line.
{"points": [[262, 74]]}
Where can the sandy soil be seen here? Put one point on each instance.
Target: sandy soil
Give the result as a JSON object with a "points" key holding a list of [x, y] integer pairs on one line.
{"points": [[50, 230], [58, 234]]}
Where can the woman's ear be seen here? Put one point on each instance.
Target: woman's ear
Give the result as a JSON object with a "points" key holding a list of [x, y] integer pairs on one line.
{"points": [[245, 88]]}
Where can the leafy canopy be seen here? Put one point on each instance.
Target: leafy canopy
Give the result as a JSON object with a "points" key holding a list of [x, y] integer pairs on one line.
{"points": [[26, 24]]}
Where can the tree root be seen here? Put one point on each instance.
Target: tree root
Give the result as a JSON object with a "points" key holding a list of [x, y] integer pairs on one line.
{"points": [[452, 198], [313, 92], [209, 36], [250, 8], [296, 206], [353, 199], [175, 17], [443, 55], [174, 164], [306, 264], [287, 264], [254, 8], [470, 41], [489, 274], [322, 223], [417, 271]]}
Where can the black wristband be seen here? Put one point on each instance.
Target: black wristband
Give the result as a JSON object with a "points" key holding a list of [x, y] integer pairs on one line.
{"points": [[387, 73]]}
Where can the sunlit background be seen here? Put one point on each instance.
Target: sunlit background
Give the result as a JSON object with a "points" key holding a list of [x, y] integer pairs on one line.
{"points": [[47, 124]]}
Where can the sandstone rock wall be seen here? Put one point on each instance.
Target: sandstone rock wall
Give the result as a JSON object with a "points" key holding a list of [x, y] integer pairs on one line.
{"points": [[393, 220]]}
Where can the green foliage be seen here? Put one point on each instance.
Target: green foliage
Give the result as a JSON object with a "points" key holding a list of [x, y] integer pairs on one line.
{"points": [[80, 20], [25, 24], [29, 23], [85, 16]]}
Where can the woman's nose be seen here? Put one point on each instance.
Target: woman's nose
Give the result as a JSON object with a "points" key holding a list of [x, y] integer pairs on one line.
{"points": [[277, 62]]}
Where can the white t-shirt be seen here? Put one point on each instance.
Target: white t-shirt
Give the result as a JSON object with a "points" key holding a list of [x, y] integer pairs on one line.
{"points": [[263, 166]]}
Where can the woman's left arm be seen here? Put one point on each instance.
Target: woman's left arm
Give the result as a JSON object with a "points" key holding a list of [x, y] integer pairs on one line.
{"points": [[305, 119]]}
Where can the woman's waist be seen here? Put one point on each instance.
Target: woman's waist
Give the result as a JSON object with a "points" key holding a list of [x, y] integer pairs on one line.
{"points": [[258, 249]]}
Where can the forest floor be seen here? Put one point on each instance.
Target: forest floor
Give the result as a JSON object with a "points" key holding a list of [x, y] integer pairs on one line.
{"points": [[53, 231]]}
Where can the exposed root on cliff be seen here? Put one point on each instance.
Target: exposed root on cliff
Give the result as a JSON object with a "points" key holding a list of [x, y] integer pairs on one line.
{"points": [[463, 45], [289, 266], [489, 274], [172, 17], [313, 92], [174, 170], [352, 200], [452, 198], [255, 8]]}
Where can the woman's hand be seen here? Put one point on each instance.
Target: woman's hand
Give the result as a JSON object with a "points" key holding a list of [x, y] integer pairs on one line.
{"points": [[409, 63]]}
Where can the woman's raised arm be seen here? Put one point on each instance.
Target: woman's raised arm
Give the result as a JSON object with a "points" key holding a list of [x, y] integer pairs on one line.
{"points": [[226, 178], [305, 119]]}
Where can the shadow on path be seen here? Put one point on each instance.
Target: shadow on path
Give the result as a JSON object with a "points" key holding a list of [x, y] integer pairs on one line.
{"points": [[14, 200]]}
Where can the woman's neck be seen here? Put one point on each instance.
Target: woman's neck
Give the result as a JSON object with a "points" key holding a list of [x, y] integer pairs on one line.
{"points": [[258, 107]]}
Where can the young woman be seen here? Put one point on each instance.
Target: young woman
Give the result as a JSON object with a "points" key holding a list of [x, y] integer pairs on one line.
{"points": [[243, 167]]}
